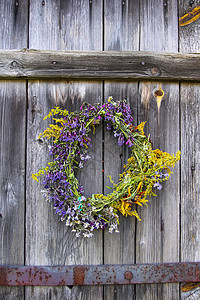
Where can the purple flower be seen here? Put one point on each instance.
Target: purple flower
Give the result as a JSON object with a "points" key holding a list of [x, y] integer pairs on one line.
{"points": [[121, 140], [116, 134], [129, 142]]}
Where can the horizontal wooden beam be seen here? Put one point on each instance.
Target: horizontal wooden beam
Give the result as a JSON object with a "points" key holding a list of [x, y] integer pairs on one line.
{"points": [[41, 64]]}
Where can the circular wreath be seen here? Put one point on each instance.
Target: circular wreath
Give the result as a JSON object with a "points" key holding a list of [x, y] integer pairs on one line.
{"points": [[145, 169]]}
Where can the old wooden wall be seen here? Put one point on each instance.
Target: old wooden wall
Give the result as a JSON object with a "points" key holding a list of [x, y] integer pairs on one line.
{"points": [[30, 232]]}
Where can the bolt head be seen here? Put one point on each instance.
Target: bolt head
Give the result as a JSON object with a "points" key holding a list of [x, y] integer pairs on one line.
{"points": [[128, 275]]}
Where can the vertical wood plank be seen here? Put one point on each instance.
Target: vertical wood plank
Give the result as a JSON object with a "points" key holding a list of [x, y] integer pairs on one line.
{"points": [[157, 237], [121, 33], [190, 143], [70, 25], [13, 34], [12, 154]]}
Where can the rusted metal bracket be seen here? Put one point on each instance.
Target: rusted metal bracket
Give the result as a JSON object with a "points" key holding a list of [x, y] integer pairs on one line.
{"points": [[99, 274]]}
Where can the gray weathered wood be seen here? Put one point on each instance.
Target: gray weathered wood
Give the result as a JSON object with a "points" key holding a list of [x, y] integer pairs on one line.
{"points": [[190, 144], [12, 175], [61, 25], [35, 64], [13, 34], [121, 33], [60, 31], [157, 237]]}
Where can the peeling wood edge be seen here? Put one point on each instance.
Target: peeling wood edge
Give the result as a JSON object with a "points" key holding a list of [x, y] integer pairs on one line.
{"points": [[92, 65], [99, 274]]}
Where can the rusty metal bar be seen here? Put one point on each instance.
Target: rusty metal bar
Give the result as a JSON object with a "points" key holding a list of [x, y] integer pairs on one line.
{"points": [[99, 274]]}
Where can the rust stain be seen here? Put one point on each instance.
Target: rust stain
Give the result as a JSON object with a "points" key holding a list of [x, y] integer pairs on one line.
{"points": [[128, 275], [190, 17], [79, 275], [190, 286], [159, 94], [3, 276]]}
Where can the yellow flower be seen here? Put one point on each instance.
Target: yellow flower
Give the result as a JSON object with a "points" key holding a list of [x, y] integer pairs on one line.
{"points": [[140, 127]]}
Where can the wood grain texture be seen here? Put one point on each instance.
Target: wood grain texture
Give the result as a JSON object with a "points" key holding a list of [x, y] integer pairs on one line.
{"points": [[13, 34], [12, 154], [121, 33], [35, 64], [60, 25], [14, 26], [157, 236], [44, 230], [190, 162]]}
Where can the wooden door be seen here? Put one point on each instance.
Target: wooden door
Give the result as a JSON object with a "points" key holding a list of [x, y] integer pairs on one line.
{"points": [[31, 233]]}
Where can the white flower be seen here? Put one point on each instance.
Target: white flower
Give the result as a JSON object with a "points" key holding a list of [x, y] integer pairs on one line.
{"points": [[86, 225], [67, 222], [89, 235], [80, 165], [97, 225], [78, 234], [110, 209], [111, 229]]}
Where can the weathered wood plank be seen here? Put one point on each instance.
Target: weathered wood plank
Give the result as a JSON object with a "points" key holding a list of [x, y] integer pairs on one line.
{"points": [[43, 64], [121, 33], [12, 174], [157, 237], [61, 25], [61, 245], [13, 34], [190, 162]]}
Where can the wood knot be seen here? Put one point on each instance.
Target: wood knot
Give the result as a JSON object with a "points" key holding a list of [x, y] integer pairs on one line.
{"points": [[14, 63], [41, 141], [158, 93], [154, 71]]}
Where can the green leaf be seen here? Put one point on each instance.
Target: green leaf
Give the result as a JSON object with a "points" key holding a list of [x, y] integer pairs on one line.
{"points": [[108, 187]]}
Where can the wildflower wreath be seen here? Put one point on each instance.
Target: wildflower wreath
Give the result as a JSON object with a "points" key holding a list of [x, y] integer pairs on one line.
{"points": [[145, 169]]}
